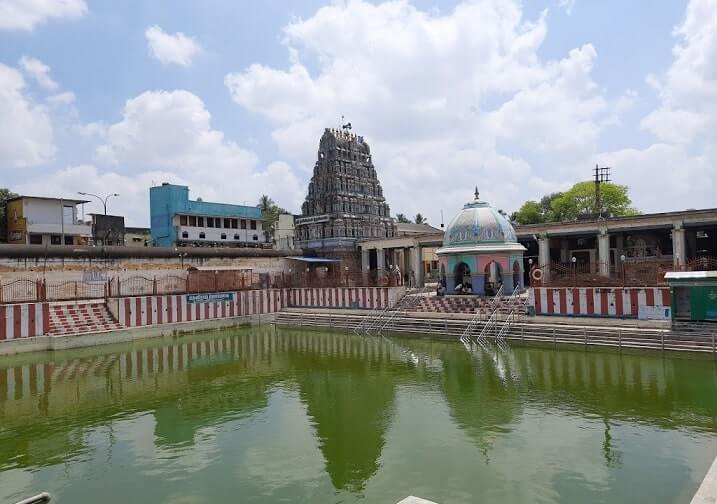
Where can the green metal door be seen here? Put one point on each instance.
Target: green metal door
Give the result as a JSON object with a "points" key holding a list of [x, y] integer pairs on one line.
{"points": [[703, 303]]}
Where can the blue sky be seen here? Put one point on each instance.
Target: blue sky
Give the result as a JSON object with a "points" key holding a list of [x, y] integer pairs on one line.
{"points": [[520, 98]]}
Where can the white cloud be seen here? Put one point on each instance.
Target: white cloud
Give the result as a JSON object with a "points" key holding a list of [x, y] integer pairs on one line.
{"points": [[688, 90], [26, 14], [170, 132], [567, 5], [64, 98], [685, 157], [171, 48], [446, 101], [38, 71], [26, 137]]}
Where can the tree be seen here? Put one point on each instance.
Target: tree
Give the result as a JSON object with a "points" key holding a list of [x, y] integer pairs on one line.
{"points": [[270, 212], [529, 213], [419, 219], [402, 218], [580, 201], [5, 194], [576, 202]]}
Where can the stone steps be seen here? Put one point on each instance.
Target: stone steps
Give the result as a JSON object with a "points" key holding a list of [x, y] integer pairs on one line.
{"points": [[80, 318]]}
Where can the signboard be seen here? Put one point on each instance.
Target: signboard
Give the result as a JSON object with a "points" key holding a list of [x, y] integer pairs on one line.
{"points": [[94, 276], [654, 312], [313, 219], [210, 298]]}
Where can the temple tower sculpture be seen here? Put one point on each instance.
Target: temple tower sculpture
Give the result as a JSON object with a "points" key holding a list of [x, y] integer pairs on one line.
{"points": [[345, 200]]}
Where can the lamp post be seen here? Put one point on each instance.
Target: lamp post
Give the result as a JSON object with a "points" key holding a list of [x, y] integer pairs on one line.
{"points": [[574, 265], [622, 260], [100, 198]]}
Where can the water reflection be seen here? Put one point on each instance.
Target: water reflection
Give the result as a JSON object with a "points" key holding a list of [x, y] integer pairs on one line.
{"points": [[187, 390]]}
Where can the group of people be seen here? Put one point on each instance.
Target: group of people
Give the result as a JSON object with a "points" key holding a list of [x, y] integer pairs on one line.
{"points": [[461, 288]]}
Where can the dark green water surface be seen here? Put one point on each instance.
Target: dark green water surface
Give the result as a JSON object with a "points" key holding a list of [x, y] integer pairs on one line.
{"points": [[268, 415]]}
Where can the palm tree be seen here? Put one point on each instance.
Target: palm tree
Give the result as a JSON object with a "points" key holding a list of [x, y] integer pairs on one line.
{"points": [[402, 218], [266, 203], [419, 219], [270, 213]]}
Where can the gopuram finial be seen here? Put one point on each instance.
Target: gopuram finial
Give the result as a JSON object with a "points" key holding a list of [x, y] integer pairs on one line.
{"points": [[476, 193]]}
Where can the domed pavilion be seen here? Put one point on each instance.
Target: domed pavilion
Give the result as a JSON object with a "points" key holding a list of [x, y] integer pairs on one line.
{"points": [[480, 250]]}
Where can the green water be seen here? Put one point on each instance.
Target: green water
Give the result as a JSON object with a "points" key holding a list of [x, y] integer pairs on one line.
{"points": [[264, 416]]}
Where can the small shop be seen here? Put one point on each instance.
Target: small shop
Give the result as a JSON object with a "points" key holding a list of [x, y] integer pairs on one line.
{"points": [[694, 295]]}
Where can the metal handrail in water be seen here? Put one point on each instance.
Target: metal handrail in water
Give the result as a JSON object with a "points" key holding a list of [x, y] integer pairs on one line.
{"points": [[36, 499], [465, 337]]}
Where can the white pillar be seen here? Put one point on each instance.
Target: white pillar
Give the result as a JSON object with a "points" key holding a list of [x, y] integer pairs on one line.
{"points": [[417, 265], [380, 259], [365, 263], [604, 252], [679, 246], [544, 256]]}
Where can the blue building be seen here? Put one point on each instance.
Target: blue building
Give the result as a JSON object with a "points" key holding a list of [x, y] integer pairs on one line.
{"points": [[178, 221]]}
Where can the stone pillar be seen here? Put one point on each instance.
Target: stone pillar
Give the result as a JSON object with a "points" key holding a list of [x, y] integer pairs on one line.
{"points": [[417, 266], [564, 252], [604, 252], [380, 259], [544, 256], [620, 245], [679, 246], [365, 262]]}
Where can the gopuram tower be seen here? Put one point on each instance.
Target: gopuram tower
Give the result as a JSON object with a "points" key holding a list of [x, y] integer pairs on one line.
{"points": [[345, 201]]}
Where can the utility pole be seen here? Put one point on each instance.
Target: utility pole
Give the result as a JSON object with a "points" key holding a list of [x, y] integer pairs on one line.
{"points": [[602, 175]]}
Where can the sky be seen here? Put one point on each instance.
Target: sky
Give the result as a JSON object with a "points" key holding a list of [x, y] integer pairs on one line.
{"points": [[230, 98]]}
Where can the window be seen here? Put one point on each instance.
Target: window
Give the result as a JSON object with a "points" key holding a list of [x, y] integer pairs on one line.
{"points": [[192, 220], [200, 221], [243, 224], [255, 237], [69, 240], [210, 222], [235, 223], [227, 225], [202, 235], [236, 236], [35, 239], [182, 220], [224, 236], [55, 240], [253, 224], [68, 214], [185, 235]]}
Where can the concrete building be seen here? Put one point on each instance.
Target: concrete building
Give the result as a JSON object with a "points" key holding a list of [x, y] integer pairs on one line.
{"points": [[677, 240], [33, 220], [108, 229], [284, 232], [345, 201], [672, 238], [137, 237], [178, 221]]}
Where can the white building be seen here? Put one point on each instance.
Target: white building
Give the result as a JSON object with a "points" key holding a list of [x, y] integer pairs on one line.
{"points": [[284, 232], [33, 220]]}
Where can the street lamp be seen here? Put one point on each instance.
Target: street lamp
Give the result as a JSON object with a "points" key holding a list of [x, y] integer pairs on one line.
{"points": [[574, 261], [622, 260], [102, 200]]}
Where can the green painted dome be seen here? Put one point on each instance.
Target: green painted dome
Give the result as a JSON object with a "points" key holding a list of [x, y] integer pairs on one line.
{"points": [[478, 225]]}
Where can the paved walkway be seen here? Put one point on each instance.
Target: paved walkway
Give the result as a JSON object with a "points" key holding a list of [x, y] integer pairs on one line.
{"points": [[539, 319]]}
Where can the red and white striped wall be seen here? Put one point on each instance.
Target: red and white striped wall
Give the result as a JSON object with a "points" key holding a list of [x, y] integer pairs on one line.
{"points": [[597, 301], [153, 310], [341, 297], [23, 320]]}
